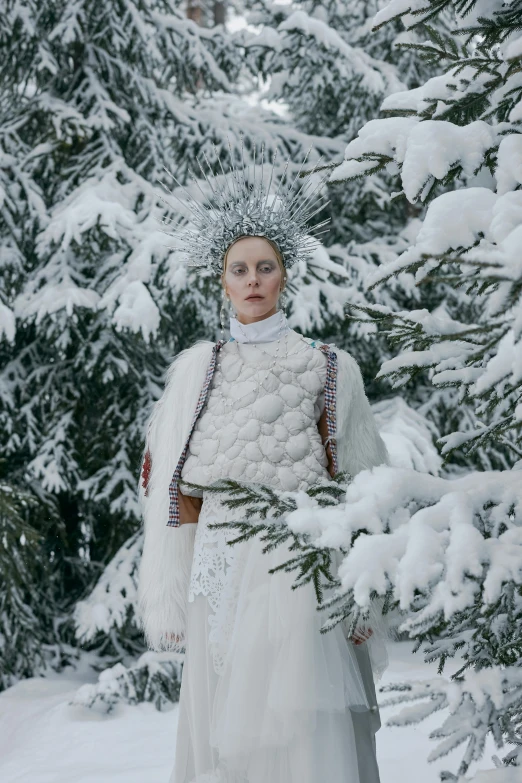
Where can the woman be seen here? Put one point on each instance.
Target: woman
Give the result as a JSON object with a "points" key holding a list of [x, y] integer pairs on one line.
{"points": [[265, 698]]}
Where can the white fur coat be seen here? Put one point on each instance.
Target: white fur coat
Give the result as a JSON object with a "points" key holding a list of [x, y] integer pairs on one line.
{"points": [[167, 551]]}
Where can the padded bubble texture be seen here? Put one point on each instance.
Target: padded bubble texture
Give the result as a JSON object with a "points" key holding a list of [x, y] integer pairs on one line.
{"points": [[259, 422]]}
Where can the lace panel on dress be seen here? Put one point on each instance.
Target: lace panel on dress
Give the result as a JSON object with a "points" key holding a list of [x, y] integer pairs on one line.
{"points": [[216, 571]]}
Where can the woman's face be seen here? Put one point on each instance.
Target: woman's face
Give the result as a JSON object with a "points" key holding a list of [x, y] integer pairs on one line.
{"points": [[252, 279]]}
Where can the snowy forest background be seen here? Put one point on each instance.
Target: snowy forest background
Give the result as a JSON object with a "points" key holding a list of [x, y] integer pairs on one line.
{"points": [[416, 108]]}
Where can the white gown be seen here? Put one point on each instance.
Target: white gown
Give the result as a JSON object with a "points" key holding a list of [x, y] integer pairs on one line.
{"points": [[265, 697]]}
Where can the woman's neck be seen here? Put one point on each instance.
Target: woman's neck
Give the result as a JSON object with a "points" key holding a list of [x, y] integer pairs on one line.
{"points": [[250, 319], [264, 331]]}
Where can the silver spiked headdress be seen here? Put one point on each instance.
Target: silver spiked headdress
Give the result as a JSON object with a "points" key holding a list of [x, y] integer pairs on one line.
{"points": [[239, 207]]}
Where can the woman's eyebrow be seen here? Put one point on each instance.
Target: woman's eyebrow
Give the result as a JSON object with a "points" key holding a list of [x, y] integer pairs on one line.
{"points": [[263, 261]]}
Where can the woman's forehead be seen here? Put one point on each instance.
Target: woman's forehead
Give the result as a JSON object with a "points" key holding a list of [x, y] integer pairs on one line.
{"points": [[251, 248]]}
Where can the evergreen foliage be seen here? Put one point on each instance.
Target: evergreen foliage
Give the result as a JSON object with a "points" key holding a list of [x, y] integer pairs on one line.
{"points": [[155, 678], [106, 616], [424, 246], [267, 505], [444, 555], [26, 583], [470, 121], [94, 102], [478, 708]]}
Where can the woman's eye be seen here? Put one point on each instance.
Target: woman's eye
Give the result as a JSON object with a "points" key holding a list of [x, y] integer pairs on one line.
{"points": [[264, 269]]}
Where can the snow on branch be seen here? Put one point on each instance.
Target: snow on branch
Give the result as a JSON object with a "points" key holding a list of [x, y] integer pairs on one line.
{"points": [[446, 539], [446, 553], [375, 77], [480, 703], [112, 601], [403, 141]]}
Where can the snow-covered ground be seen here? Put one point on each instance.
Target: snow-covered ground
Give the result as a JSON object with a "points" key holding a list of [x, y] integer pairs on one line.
{"points": [[44, 740]]}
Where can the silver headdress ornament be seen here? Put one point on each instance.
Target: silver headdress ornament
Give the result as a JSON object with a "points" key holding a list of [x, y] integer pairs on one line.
{"points": [[243, 208]]}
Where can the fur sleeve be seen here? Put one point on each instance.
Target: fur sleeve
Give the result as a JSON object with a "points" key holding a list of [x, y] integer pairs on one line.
{"points": [[359, 444], [166, 559]]}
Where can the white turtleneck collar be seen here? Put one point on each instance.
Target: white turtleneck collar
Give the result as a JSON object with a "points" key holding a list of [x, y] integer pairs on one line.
{"points": [[265, 331]]}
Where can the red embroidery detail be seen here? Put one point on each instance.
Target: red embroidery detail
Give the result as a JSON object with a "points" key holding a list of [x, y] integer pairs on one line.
{"points": [[145, 471]]}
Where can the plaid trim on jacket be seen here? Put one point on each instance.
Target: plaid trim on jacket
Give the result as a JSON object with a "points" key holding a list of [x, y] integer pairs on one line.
{"points": [[330, 396]]}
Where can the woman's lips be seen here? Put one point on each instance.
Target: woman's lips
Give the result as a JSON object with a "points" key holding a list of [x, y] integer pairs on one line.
{"points": [[257, 296]]}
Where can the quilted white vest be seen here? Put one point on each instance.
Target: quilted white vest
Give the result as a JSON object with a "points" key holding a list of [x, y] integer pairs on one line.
{"points": [[265, 434]]}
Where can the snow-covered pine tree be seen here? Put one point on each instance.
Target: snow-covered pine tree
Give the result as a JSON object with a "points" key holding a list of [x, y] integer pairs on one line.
{"points": [[95, 101], [153, 677], [106, 615], [25, 579], [470, 121], [441, 560]]}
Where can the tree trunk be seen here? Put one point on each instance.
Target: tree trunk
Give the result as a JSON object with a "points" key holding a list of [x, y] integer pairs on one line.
{"points": [[195, 11], [220, 11]]}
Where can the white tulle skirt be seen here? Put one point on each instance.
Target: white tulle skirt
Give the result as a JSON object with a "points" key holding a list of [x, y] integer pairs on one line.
{"points": [[265, 697]]}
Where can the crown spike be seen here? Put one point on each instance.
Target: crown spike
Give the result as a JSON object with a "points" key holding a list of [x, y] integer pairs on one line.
{"points": [[306, 178], [170, 205], [189, 197], [262, 167], [324, 222], [300, 170], [301, 189], [233, 170], [243, 161], [196, 182], [276, 196], [213, 189], [271, 176], [307, 200], [254, 170], [230, 189], [220, 190]]}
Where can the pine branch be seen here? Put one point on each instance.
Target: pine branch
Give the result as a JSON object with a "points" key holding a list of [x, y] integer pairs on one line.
{"points": [[154, 679], [261, 502]]}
